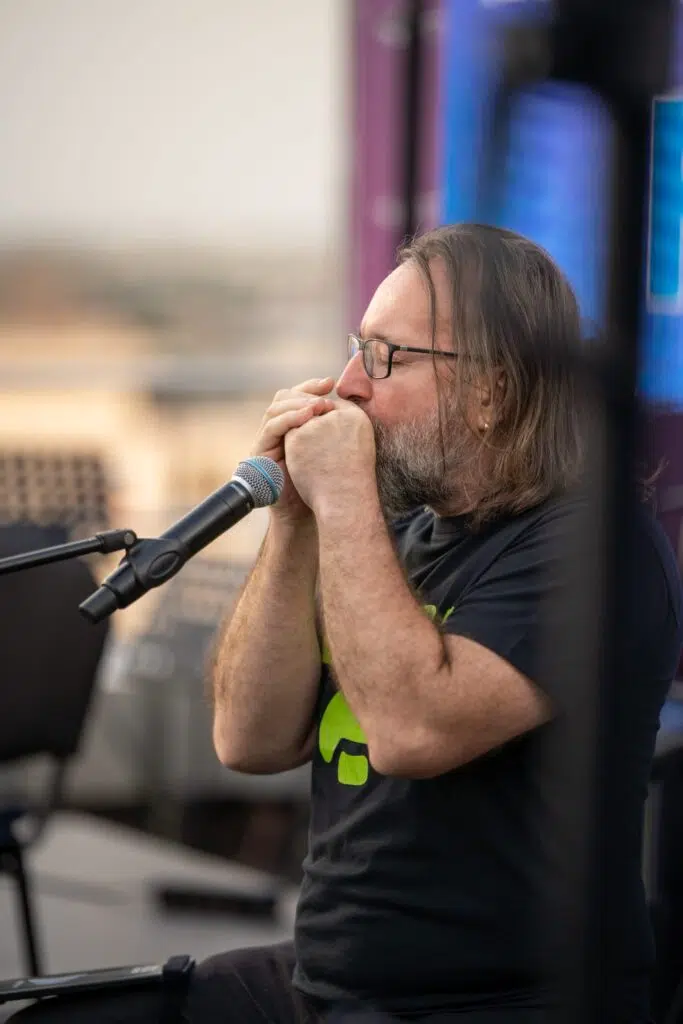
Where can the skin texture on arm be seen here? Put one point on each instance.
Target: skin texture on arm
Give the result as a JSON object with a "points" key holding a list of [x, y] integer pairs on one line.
{"points": [[267, 659]]}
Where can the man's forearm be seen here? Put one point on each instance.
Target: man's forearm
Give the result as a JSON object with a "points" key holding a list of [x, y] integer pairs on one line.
{"points": [[381, 643], [267, 661]]}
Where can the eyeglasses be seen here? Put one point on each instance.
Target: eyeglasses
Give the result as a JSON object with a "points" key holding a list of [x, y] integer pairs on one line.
{"points": [[378, 355]]}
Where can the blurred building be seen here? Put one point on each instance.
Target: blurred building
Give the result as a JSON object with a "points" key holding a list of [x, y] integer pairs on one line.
{"points": [[158, 370]]}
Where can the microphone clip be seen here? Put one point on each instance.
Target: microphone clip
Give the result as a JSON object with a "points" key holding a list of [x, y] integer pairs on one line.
{"points": [[150, 561], [155, 559]]}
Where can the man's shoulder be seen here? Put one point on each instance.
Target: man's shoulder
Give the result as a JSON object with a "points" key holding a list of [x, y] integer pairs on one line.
{"points": [[554, 517], [423, 527], [646, 542]]}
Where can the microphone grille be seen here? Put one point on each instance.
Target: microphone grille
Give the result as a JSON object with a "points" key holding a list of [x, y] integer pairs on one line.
{"points": [[263, 477]]}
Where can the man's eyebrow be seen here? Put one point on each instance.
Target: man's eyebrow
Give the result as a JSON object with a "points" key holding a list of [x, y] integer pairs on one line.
{"points": [[377, 335], [380, 336]]}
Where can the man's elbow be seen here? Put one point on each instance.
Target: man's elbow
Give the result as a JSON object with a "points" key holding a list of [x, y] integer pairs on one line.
{"points": [[227, 751], [255, 758], [425, 753], [411, 753], [247, 763]]}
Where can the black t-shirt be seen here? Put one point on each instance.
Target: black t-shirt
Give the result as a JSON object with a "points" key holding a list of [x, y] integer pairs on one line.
{"points": [[419, 895]]}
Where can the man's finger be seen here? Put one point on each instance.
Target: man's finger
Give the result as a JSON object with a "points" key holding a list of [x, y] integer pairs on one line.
{"points": [[295, 401], [316, 386], [272, 433]]}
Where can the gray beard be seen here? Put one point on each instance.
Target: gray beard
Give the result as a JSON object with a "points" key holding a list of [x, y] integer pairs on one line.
{"points": [[410, 468]]}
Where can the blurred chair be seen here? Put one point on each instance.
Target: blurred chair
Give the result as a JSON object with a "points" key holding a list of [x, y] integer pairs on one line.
{"points": [[50, 656]]}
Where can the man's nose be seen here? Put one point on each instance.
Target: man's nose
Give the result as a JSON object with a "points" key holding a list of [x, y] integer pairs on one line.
{"points": [[354, 383]]}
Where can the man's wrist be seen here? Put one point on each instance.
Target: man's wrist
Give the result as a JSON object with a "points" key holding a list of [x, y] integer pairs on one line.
{"points": [[291, 529], [351, 504]]}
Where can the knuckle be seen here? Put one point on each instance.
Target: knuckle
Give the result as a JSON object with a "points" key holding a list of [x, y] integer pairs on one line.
{"points": [[273, 409]]}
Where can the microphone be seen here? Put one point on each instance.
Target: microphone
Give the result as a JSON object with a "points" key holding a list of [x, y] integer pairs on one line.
{"points": [[256, 482]]}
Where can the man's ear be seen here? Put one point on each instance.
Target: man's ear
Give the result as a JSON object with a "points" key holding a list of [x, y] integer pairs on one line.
{"points": [[491, 394]]}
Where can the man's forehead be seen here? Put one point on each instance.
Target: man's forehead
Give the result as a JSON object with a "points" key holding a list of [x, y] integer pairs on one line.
{"points": [[402, 302]]}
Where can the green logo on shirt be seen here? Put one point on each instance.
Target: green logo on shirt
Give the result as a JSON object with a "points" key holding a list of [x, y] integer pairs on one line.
{"points": [[339, 723]]}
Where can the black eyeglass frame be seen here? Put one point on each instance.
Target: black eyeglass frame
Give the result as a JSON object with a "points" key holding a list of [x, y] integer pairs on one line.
{"points": [[360, 345]]}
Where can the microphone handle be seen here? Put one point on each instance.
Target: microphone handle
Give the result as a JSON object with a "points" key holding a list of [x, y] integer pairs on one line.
{"points": [[207, 521], [151, 562]]}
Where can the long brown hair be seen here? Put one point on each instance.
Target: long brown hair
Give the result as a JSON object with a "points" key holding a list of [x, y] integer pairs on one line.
{"points": [[514, 318]]}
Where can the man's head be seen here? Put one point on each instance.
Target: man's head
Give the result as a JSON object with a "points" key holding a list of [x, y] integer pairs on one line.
{"points": [[496, 427]]}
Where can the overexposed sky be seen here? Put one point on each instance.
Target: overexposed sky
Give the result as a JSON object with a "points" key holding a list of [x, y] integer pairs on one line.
{"points": [[218, 122]]}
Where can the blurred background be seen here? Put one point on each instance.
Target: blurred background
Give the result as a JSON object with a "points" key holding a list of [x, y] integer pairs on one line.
{"points": [[174, 197], [197, 200], [174, 193]]}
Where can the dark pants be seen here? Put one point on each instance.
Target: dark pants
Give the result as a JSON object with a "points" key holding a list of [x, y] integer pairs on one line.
{"points": [[247, 986]]}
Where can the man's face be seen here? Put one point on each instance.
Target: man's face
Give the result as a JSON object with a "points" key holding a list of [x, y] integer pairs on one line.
{"points": [[404, 407]]}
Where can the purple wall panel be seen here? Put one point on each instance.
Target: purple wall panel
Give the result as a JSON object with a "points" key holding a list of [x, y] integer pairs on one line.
{"points": [[380, 58]]}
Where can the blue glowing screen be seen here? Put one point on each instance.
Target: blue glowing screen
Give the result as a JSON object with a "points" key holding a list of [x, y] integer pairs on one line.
{"points": [[552, 185], [662, 349]]}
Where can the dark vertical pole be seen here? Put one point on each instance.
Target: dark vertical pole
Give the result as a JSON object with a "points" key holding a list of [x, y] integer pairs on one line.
{"points": [[621, 52]]}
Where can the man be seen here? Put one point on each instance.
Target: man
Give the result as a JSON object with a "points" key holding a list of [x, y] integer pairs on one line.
{"points": [[415, 549]]}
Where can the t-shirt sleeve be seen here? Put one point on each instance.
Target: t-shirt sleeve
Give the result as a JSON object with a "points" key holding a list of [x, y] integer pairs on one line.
{"points": [[505, 610], [514, 607]]}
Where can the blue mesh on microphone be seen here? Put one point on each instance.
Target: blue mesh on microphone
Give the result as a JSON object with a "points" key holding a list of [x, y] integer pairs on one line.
{"points": [[263, 477]]}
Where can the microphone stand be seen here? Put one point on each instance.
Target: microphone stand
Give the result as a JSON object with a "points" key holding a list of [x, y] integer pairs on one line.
{"points": [[103, 543], [153, 561]]}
